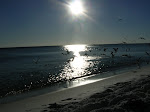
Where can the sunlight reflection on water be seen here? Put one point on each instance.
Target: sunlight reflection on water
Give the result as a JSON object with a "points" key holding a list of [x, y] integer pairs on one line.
{"points": [[76, 67]]}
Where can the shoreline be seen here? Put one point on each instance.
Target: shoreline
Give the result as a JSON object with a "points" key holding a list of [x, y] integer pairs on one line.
{"points": [[65, 85], [76, 94]]}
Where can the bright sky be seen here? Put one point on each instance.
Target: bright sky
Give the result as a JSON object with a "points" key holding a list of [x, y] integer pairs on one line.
{"points": [[61, 22]]}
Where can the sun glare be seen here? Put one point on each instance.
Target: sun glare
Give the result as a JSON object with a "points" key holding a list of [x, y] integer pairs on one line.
{"points": [[78, 63], [76, 48], [76, 7]]}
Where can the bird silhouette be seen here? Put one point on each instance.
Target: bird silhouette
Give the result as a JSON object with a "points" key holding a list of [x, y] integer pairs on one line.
{"points": [[62, 53], [126, 55], [112, 55], [36, 61], [147, 62], [124, 42], [68, 52], [105, 49], [142, 38], [115, 49], [103, 54], [120, 19], [147, 53], [138, 62], [86, 54]]}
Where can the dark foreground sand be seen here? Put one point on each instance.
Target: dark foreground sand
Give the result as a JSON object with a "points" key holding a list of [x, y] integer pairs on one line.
{"points": [[126, 92], [131, 96]]}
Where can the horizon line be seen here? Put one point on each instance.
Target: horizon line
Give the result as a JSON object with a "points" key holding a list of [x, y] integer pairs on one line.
{"points": [[65, 45]]}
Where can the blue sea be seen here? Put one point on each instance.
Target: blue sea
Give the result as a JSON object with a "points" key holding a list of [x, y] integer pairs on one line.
{"points": [[35, 69]]}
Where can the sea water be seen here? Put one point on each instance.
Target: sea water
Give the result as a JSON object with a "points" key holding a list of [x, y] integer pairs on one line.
{"points": [[28, 69]]}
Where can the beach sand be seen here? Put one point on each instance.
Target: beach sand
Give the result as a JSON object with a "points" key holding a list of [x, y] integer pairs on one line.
{"points": [[126, 92]]}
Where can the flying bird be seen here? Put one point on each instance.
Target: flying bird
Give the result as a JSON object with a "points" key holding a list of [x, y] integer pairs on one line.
{"points": [[120, 19], [68, 52], [103, 54], [112, 55], [147, 53], [124, 42], [147, 62], [36, 60], [138, 62], [86, 54], [115, 49], [105, 49], [126, 55], [142, 38]]}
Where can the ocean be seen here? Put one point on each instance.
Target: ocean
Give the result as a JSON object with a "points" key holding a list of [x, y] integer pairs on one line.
{"points": [[27, 69]]}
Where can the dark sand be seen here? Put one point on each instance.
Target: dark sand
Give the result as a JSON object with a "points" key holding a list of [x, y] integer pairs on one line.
{"points": [[131, 96]]}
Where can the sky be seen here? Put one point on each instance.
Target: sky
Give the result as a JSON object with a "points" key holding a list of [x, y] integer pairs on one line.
{"points": [[50, 22]]}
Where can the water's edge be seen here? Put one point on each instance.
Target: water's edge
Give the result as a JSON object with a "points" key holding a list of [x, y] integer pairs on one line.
{"points": [[66, 85]]}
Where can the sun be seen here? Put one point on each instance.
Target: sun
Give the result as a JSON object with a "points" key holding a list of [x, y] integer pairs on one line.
{"points": [[76, 7]]}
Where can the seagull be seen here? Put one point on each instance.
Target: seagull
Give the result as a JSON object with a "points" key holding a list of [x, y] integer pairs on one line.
{"points": [[68, 52], [147, 62], [105, 49], [115, 49], [112, 55], [62, 53], [72, 59], [86, 54], [147, 53], [36, 60], [120, 19], [124, 42], [138, 62], [125, 55], [103, 54], [142, 38]]}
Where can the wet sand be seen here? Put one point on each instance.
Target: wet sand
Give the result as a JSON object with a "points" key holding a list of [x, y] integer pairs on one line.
{"points": [[125, 92]]}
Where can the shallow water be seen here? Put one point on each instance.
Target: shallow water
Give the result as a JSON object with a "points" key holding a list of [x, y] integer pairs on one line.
{"points": [[26, 69]]}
